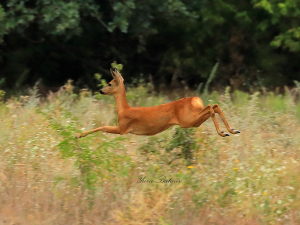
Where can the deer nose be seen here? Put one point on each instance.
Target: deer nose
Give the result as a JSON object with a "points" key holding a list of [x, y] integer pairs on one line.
{"points": [[101, 92]]}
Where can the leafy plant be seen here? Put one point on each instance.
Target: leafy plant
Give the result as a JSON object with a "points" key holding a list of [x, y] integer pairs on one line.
{"points": [[210, 78], [119, 67], [184, 141], [93, 163], [181, 145]]}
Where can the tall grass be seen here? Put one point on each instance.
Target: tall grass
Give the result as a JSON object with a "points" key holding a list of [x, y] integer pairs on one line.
{"points": [[48, 177]]}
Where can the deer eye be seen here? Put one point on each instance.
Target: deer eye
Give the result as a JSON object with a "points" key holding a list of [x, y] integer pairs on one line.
{"points": [[109, 84]]}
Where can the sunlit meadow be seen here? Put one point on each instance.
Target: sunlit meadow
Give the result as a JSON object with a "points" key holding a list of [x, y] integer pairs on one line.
{"points": [[49, 177]]}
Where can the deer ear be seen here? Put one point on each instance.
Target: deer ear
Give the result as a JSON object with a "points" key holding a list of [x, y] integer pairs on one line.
{"points": [[113, 74], [119, 76]]}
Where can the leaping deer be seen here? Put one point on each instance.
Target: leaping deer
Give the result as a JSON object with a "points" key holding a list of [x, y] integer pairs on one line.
{"points": [[186, 112]]}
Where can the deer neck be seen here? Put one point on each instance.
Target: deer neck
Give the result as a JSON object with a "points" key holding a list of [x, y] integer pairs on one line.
{"points": [[121, 101]]}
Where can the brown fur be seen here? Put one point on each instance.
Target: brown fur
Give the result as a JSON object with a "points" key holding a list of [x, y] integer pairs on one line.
{"points": [[185, 112]]}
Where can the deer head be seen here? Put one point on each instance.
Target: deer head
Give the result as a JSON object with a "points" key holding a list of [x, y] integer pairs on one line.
{"points": [[113, 86]]}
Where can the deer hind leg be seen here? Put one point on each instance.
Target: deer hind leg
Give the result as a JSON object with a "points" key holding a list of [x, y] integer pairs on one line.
{"points": [[218, 110], [108, 129], [205, 114]]}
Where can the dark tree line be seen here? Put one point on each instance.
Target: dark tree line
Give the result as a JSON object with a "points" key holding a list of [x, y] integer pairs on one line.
{"points": [[255, 42]]}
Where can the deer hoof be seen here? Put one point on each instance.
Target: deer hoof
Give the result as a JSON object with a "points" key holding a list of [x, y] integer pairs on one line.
{"points": [[226, 134], [236, 131]]}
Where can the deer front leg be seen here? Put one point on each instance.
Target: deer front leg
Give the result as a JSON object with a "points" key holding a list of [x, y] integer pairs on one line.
{"points": [[218, 110], [108, 129]]}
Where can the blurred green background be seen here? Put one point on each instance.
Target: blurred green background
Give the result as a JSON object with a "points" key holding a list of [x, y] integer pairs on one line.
{"points": [[255, 42]]}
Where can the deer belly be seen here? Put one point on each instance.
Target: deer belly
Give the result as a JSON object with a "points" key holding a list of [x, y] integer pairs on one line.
{"points": [[148, 129], [146, 121]]}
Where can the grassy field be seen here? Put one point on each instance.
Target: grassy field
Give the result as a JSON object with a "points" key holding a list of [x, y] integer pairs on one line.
{"points": [[48, 177]]}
